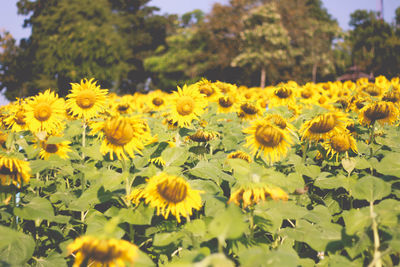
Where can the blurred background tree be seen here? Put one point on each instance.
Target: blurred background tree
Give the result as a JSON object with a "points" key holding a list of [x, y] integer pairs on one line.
{"points": [[124, 45]]}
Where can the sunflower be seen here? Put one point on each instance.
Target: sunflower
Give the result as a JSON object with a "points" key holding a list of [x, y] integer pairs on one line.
{"points": [[371, 90], [382, 112], [249, 110], [16, 119], [203, 136], [323, 126], [283, 94], [227, 103], [61, 149], [86, 99], [122, 105], [267, 139], [171, 194], [252, 193], [340, 144], [13, 170], [96, 252], [157, 100], [209, 89], [240, 155], [122, 135], [186, 105], [45, 112], [225, 87]]}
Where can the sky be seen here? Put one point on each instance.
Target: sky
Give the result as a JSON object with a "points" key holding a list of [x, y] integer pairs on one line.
{"points": [[339, 9]]}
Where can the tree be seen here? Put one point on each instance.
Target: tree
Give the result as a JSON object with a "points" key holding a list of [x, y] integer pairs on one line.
{"points": [[183, 59], [265, 41], [375, 46], [74, 39]]}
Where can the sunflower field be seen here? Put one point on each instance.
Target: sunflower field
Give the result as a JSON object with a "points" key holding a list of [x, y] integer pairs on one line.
{"points": [[209, 175]]}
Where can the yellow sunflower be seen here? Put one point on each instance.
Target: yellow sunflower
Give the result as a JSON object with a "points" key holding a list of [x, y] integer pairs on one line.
{"points": [[186, 105], [249, 110], [122, 105], [252, 193], [340, 144], [157, 100], [283, 94], [121, 135], [203, 136], [45, 112], [323, 126], [171, 194], [209, 89], [227, 103], [267, 139], [381, 112], [96, 252], [16, 119], [225, 87], [240, 155], [86, 99], [13, 170], [61, 149]]}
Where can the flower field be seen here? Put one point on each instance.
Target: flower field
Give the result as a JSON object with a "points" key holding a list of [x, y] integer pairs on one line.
{"points": [[209, 175]]}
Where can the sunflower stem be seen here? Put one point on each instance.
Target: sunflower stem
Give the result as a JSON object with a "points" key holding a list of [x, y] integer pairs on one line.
{"points": [[305, 148], [371, 139], [83, 138], [251, 221], [377, 253]]}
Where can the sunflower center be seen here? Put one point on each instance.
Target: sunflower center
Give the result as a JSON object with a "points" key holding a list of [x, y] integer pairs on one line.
{"points": [[51, 148], [6, 171], [118, 132], [42, 111], [157, 101], [268, 136], [283, 93], [372, 90], [123, 107], [249, 108], [86, 99], [359, 104], [185, 105], [20, 117], [324, 124], [225, 102], [391, 97], [306, 94], [173, 191], [207, 90], [100, 252], [378, 111], [340, 143]]}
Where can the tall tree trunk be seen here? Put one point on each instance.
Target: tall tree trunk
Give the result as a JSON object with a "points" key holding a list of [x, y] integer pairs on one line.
{"points": [[263, 77], [314, 72]]}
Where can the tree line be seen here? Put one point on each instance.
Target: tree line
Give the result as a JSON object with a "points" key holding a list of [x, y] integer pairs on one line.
{"points": [[128, 47]]}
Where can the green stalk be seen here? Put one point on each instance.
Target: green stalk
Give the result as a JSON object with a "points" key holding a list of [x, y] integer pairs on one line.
{"points": [[377, 262]]}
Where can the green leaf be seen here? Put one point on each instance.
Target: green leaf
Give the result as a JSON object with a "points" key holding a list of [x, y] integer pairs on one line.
{"points": [[15, 247], [142, 215], [210, 171], [164, 239], [371, 189], [54, 259], [389, 165], [334, 182], [93, 152], [176, 156], [224, 227], [356, 220], [37, 209], [349, 164], [311, 171]]}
